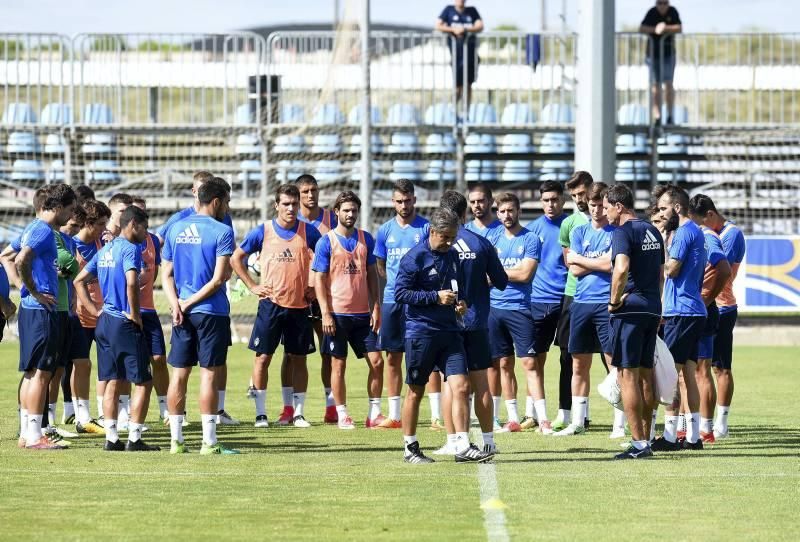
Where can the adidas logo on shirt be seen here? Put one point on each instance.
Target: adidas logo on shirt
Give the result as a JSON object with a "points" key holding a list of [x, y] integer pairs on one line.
{"points": [[351, 268], [285, 257], [432, 272], [650, 242], [464, 252], [391, 239], [106, 260], [189, 236]]}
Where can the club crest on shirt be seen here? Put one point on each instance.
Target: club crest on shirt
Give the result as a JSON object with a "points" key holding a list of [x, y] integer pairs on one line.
{"points": [[416, 238]]}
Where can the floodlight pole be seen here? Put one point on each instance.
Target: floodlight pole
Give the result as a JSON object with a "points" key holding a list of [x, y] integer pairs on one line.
{"points": [[365, 186]]}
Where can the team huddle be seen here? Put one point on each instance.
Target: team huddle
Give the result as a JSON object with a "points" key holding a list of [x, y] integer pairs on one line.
{"points": [[462, 301]]}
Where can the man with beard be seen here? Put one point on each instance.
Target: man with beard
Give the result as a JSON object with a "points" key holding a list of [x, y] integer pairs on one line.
{"points": [[480, 203]]}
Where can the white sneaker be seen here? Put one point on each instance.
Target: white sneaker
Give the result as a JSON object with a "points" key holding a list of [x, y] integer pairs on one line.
{"points": [[570, 430], [261, 421], [444, 450], [63, 433], [719, 435], [617, 432], [609, 390], [223, 418], [300, 421]]}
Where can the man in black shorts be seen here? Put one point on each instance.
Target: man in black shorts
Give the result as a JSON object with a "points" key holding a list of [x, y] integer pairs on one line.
{"points": [[462, 23]]}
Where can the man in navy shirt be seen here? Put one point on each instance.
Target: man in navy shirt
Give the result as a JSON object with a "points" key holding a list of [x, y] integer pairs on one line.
{"points": [[462, 23], [684, 311], [637, 256], [479, 261], [428, 284], [660, 24]]}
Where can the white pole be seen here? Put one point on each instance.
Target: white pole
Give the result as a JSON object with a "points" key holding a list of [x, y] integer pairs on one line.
{"points": [[365, 187]]}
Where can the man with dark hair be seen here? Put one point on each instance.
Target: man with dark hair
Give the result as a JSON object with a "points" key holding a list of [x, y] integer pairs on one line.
{"points": [[84, 193], [637, 256], [734, 246], [684, 312], [661, 23], [122, 354], [479, 261], [346, 284], [547, 293], [285, 245], [480, 203], [196, 265], [393, 240], [462, 23], [510, 322], [428, 284]]}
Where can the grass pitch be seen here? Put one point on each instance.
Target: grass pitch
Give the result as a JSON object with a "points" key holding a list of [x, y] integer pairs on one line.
{"points": [[325, 484]]}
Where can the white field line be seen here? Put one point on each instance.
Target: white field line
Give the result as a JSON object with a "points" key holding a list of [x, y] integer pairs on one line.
{"points": [[494, 517]]}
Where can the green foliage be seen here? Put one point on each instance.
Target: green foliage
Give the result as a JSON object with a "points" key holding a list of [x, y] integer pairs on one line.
{"points": [[109, 43], [9, 49], [156, 46]]}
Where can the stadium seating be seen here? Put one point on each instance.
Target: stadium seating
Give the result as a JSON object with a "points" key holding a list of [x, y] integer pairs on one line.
{"points": [[633, 170], [354, 118], [23, 146], [247, 144], [103, 169], [513, 115], [404, 142], [288, 170], [672, 171], [557, 142], [444, 114], [481, 170], [327, 115], [56, 114]]}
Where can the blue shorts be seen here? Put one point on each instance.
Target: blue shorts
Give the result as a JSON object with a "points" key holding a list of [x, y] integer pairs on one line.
{"points": [[39, 334], [122, 352], [352, 330], [202, 338], [723, 341], [661, 70], [545, 322], [633, 340], [511, 331], [274, 323], [153, 334], [682, 333], [477, 349], [78, 342], [705, 346], [443, 352], [393, 327], [589, 323]]}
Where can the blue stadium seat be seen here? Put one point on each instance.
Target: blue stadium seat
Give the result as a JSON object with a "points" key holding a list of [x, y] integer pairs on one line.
{"points": [[632, 170], [671, 171], [27, 170], [327, 115], [481, 170], [354, 118], [289, 170], [482, 113], [245, 143], [514, 115], [557, 142], [104, 170], [440, 114], [56, 114], [403, 142], [17, 114]]}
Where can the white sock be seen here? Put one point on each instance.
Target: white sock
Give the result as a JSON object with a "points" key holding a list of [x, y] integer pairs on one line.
{"points": [[653, 424], [124, 409], [287, 395], [23, 422], [682, 422], [640, 444], [488, 438], [220, 400], [436, 405], [209, 422], [69, 408], [578, 410], [299, 400], [706, 425], [176, 427], [530, 409], [329, 402], [619, 419], [566, 415], [51, 413], [406, 441], [496, 406], [541, 409], [341, 410], [82, 414], [261, 402], [693, 427], [99, 406], [721, 423], [511, 409], [671, 428], [374, 408], [111, 431], [394, 407], [461, 443], [34, 430], [162, 406], [472, 415], [451, 440], [134, 432]]}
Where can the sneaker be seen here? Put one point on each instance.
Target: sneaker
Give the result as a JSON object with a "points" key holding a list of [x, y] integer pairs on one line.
{"points": [[491, 449], [707, 438], [300, 421], [45, 443], [331, 415], [118, 446], [286, 416], [374, 424], [586, 423], [262, 421], [176, 447], [66, 434], [415, 456], [719, 435], [527, 422], [140, 446], [445, 450], [436, 424], [569, 430], [686, 445], [663, 445], [609, 390], [346, 423], [21, 442], [92, 427], [496, 426], [67, 420], [545, 428], [217, 449], [473, 454], [223, 418], [634, 453], [251, 392], [681, 435], [55, 438], [510, 427], [389, 423], [617, 432], [101, 420], [164, 420], [185, 420], [559, 425]]}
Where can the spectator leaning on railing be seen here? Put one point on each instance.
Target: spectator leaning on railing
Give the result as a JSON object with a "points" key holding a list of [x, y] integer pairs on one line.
{"points": [[660, 23], [462, 23]]}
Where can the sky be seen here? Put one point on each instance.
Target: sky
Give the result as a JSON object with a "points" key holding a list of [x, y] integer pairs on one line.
{"points": [[76, 16]]}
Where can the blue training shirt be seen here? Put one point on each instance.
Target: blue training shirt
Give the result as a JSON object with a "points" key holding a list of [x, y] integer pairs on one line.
{"points": [[511, 251], [714, 250], [193, 246], [109, 265], [478, 260], [551, 275], [392, 242], [642, 243], [254, 240], [483, 232], [682, 293], [422, 273], [41, 239], [590, 242], [322, 254], [185, 213]]}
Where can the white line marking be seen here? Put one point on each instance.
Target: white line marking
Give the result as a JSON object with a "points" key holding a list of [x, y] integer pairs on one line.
{"points": [[494, 518]]}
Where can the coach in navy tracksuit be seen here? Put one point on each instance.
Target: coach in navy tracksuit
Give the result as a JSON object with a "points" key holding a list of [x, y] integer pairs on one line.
{"points": [[427, 283]]}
